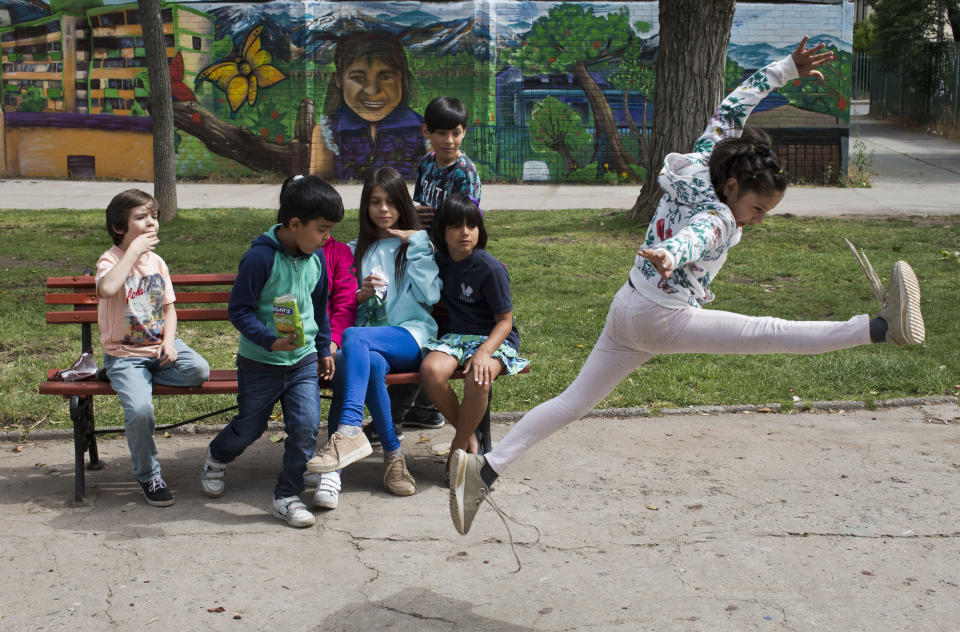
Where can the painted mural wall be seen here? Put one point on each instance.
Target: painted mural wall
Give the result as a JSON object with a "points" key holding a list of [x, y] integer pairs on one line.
{"points": [[339, 88]]}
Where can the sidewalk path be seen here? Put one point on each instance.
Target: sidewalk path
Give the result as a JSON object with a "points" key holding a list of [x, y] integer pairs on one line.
{"points": [[915, 174], [800, 522]]}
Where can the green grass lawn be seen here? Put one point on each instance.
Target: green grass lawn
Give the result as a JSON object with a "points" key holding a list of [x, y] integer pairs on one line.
{"points": [[565, 267]]}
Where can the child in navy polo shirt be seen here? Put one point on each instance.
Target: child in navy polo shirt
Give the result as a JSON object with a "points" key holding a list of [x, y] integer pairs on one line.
{"points": [[482, 338]]}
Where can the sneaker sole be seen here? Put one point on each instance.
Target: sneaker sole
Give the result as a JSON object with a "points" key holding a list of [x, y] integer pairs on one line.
{"points": [[345, 460], [911, 318], [159, 503], [292, 524], [458, 470], [425, 426], [325, 504], [211, 493]]}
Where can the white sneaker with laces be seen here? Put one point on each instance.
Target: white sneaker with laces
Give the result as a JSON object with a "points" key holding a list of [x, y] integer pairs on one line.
{"points": [[328, 491], [293, 511]]}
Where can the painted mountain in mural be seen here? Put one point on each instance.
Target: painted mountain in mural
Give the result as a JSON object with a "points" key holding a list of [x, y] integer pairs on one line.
{"points": [[754, 56], [24, 10]]}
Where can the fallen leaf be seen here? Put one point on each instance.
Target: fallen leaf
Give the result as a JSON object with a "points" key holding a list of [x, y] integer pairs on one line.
{"points": [[217, 609], [764, 410], [275, 438], [152, 620], [423, 440], [236, 616], [166, 435], [866, 573], [18, 448], [653, 508]]}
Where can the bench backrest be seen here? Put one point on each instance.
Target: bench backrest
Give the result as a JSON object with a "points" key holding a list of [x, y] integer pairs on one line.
{"points": [[80, 296]]}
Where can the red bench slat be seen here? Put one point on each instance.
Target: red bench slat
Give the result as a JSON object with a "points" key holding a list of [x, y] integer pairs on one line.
{"points": [[90, 316]]}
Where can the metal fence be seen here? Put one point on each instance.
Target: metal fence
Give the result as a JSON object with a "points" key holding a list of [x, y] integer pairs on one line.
{"points": [[861, 76], [922, 87]]}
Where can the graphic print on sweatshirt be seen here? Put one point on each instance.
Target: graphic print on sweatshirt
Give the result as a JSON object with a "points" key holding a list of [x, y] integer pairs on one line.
{"points": [[143, 311]]}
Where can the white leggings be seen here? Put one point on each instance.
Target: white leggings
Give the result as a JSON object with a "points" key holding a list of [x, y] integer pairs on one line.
{"points": [[638, 329]]}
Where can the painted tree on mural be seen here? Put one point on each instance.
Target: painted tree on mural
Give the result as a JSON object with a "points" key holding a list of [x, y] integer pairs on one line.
{"points": [[637, 76], [694, 35], [557, 127], [571, 38]]}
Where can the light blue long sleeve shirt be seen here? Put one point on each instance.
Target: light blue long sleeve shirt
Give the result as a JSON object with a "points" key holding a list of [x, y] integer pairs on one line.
{"points": [[410, 302]]}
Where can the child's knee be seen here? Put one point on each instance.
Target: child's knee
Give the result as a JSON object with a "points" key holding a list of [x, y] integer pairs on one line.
{"points": [[433, 372], [378, 365], [199, 372], [139, 416]]}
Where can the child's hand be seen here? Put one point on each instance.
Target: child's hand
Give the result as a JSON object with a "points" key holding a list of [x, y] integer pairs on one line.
{"points": [[807, 59], [425, 213], [404, 235], [286, 343], [368, 288], [483, 367], [168, 352], [325, 367], [660, 261], [144, 243]]}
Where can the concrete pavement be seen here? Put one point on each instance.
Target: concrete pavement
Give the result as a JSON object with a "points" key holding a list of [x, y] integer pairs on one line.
{"points": [[803, 521], [915, 173]]}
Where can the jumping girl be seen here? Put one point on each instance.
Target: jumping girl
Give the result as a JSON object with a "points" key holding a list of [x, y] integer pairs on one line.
{"points": [[391, 253], [482, 338], [732, 179]]}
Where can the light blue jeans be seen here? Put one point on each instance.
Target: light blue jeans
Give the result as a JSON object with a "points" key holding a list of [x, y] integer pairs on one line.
{"points": [[132, 379]]}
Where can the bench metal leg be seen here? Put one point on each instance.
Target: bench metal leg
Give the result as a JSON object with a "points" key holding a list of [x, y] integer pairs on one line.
{"points": [[486, 442], [81, 413]]}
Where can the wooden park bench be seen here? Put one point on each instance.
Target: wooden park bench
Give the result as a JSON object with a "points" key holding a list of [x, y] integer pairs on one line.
{"points": [[210, 293]]}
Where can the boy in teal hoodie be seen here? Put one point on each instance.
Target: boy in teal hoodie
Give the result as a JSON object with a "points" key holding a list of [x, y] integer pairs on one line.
{"points": [[285, 260]]}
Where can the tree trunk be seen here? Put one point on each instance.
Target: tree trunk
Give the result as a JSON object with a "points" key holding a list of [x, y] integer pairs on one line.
{"points": [[161, 111], [953, 15], [561, 148], [243, 146], [609, 149], [638, 134], [693, 50]]}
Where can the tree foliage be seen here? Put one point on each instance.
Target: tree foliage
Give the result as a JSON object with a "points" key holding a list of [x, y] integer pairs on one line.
{"points": [[903, 26], [554, 126]]}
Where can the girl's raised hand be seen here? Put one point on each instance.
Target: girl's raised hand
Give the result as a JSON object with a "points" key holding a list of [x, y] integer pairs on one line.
{"points": [[660, 260], [808, 60], [404, 235]]}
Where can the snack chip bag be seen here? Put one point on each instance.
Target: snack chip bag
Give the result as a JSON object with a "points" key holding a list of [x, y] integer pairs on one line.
{"points": [[286, 318]]}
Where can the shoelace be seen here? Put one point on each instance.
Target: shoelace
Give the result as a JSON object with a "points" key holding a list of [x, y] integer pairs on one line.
{"points": [[504, 516], [157, 483], [869, 272]]}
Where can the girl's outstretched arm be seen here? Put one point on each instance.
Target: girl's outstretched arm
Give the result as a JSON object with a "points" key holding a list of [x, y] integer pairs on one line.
{"points": [[732, 114]]}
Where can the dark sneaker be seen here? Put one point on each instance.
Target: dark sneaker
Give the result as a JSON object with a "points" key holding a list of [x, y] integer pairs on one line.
{"points": [[156, 492], [900, 303], [374, 439], [427, 418]]}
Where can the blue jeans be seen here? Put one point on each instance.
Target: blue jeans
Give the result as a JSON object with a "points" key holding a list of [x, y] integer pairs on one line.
{"points": [[132, 379], [365, 358], [299, 395]]}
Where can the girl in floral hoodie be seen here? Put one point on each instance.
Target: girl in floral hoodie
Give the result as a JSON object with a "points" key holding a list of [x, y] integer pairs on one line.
{"points": [[731, 179]]}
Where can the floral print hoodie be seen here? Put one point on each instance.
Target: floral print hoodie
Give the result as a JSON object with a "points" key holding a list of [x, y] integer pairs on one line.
{"points": [[691, 224]]}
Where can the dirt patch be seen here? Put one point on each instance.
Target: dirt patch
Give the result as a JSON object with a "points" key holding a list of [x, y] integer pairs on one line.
{"points": [[566, 241]]}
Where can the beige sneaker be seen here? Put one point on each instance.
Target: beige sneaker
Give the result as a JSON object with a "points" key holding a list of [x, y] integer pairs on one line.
{"points": [[339, 452], [900, 304], [397, 478]]}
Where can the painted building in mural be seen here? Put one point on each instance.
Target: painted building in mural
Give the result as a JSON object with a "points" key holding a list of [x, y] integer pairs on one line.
{"points": [[339, 88]]}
